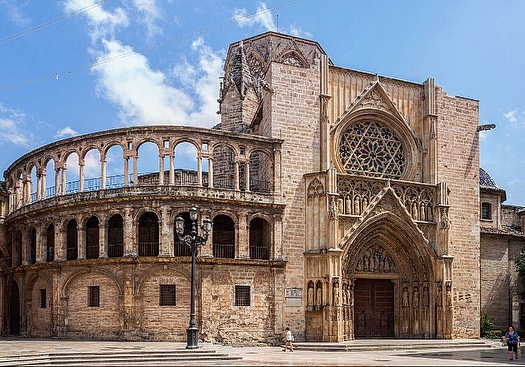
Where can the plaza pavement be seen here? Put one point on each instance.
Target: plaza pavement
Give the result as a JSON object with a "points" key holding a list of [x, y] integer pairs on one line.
{"points": [[380, 352]]}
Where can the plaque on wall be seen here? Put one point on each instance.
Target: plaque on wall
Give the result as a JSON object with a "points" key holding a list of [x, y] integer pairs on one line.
{"points": [[294, 297]]}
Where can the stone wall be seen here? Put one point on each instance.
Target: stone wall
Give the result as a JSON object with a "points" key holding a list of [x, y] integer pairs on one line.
{"points": [[295, 119], [495, 278], [130, 301], [458, 166]]}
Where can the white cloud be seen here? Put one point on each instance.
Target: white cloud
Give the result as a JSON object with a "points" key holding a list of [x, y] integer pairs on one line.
{"points": [[65, 132], [262, 17], [104, 22], [14, 12], [511, 115], [298, 32], [150, 12], [142, 94], [11, 122]]}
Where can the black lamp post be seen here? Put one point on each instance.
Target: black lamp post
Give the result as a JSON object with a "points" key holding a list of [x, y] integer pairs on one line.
{"points": [[194, 241]]}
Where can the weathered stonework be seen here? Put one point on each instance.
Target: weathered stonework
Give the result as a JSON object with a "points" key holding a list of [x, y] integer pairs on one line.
{"points": [[344, 205]]}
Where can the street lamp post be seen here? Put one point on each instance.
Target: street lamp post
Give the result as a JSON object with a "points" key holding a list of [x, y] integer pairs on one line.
{"points": [[193, 240]]}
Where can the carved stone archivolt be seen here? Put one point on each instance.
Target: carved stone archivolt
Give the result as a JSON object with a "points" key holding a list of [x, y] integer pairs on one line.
{"points": [[376, 260]]}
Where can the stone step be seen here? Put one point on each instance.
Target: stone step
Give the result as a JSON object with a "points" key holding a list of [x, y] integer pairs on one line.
{"points": [[131, 358], [391, 345]]}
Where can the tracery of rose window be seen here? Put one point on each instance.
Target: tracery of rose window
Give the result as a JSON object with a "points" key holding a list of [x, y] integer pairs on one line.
{"points": [[371, 149]]}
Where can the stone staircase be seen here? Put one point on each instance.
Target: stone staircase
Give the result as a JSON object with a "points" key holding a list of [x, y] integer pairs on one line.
{"points": [[182, 357], [393, 344]]}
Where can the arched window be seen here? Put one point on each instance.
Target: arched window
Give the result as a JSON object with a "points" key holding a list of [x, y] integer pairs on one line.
{"points": [[115, 236], [224, 168], [50, 243], [72, 240], [182, 249], [149, 234], [17, 249], [92, 238], [260, 239], [32, 238], [223, 237]]}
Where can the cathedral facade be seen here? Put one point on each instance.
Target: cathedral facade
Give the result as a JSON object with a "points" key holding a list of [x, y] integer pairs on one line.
{"points": [[343, 205]]}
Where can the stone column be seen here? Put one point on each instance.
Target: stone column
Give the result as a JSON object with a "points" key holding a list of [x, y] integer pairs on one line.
{"points": [[130, 240], [103, 239], [103, 171], [199, 170], [277, 251], [161, 169], [243, 237], [210, 172], [277, 169], [41, 255], [81, 241], [126, 171], [81, 164], [60, 243], [136, 170], [247, 175], [172, 168], [26, 244], [166, 233], [237, 176]]}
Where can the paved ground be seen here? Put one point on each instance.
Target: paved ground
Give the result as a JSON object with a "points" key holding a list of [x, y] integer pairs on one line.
{"points": [[491, 355]]}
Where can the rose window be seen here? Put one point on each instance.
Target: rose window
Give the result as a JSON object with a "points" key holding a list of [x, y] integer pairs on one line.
{"points": [[368, 148]]}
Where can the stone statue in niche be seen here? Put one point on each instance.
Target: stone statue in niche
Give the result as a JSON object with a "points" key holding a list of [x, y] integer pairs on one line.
{"points": [[319, 295], [336, 293], [425, 296], [449, 294], [340, 206], [415, 297], [405, 297], [310, 301]]}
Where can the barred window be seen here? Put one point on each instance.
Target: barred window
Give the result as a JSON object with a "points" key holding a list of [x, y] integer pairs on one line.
{"points": [[94, 296], [168, 295], [43, 298], [242, 295]]}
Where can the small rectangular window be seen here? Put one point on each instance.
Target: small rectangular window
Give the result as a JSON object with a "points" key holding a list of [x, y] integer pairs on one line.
{"points": [[166, 143], [94, 296], [43, 298], [486, 211], [242, 295], [167, 295]]}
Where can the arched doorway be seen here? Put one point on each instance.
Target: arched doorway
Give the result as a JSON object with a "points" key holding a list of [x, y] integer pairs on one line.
{"points": [[388, 276], [14, 310]]}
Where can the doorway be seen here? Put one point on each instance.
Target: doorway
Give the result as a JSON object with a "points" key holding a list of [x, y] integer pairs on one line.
{"points": [[374, 308]]}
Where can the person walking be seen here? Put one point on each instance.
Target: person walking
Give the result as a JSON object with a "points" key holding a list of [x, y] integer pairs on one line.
{"points": [[512, 338], [288, 340]]}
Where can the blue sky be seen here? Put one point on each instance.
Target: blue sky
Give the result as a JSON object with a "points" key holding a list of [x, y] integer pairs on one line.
{"points": [[78, 66]]}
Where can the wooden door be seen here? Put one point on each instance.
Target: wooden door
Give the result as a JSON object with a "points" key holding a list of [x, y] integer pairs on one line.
{"points": [[374, 308]]}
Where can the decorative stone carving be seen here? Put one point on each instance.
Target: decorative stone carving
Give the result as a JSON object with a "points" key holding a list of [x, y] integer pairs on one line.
{"points": [[370, 148], [315, 188], [376, 260]]}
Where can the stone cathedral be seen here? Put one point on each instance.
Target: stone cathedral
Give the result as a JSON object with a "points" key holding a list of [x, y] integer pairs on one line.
{"points": [[343, 204]]}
